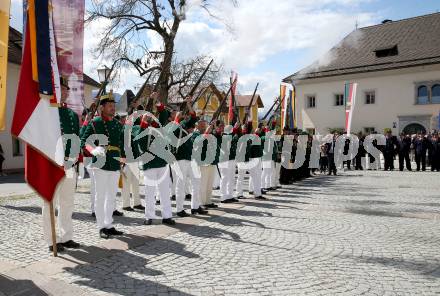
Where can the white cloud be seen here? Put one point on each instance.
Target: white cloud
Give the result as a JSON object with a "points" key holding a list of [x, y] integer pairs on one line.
{"points": [[262, 29]]}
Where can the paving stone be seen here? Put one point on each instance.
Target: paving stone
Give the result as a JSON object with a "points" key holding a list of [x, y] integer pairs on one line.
{"points": [[361, 233]]}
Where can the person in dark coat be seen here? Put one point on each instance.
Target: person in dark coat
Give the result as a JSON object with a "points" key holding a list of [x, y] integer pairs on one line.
{"points": [[389, 151], [435, 142], [420, 147], [361, 153], [331, 147], [404, 147]]}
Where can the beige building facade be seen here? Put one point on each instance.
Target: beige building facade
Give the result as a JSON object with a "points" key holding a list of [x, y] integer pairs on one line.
{"points": [[396, 65], [386, 99]]}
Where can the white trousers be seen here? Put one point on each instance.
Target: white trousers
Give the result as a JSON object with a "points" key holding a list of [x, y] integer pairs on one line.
{"points": [[275, 180], [267, 173], [255, 172], [216, 181], [157, 182], [206, 183], [92, 189], [64, 202], [106, 185], [190, 172], [254, 168], [227, 178], [242, 167], [130, 184]]}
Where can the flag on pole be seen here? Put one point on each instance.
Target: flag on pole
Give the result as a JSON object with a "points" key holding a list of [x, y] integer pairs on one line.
{"points": [[35, 120], [350, 100], [4, 39], [290, 110], [68, 25], [231, 112], [283, 108]]}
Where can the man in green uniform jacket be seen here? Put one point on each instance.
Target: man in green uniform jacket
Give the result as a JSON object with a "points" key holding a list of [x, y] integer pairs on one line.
{"points": [[106, 175]]}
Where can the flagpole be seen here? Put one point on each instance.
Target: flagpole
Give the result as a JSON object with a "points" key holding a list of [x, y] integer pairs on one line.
{"points": [[52, 226]]}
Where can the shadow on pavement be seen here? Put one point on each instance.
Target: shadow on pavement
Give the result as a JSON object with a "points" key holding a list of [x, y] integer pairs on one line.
{"points": [[426, 268], [125, 272], [10, 286], [13, 178]]}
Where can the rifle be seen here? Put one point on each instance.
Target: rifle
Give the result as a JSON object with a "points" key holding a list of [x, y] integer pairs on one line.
{"points": [[275, 113], [206, 103], [198, 96], [196, 85], [271, 108], [235, 109], [149, 102], [250, 104], [219, 110]]}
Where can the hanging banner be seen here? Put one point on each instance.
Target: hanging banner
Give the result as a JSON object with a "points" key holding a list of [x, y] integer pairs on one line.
{"points": [[283, 104], [290, 111], [4, 39], [350, 100], [68, 23]]}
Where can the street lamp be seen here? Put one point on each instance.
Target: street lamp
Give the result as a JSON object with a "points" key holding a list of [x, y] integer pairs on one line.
{"points": [[103, 76]]}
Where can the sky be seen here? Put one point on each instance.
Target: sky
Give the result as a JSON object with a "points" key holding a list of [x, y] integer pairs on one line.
{"points": [[265, 41]]}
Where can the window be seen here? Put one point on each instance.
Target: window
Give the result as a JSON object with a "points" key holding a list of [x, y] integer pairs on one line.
{"points": [[435, 94], [16, 147], [339, 100], [311, 101], [387, 52], [370, 97], [422, 95], [369, 130]]}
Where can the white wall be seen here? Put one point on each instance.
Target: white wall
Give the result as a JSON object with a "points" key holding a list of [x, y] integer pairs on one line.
{"points": [[11, 162], [395, 96]]}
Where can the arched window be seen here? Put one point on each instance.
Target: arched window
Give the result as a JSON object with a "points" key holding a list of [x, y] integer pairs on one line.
{"points": [[422, 95], [436, 94]]}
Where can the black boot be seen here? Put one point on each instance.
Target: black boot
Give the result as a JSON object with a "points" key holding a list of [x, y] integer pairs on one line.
{"points": [[183, 214]]}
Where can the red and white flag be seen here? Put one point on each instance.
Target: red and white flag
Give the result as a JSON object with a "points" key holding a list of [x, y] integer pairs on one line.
{"points": [[36, 119], [350, 100]]}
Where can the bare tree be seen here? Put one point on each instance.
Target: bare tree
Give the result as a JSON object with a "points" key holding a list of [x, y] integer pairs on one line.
{"points": [[126, 37]]}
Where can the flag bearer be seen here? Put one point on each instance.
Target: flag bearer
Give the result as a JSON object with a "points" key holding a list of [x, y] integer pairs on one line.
{"points": [[64, 195]]}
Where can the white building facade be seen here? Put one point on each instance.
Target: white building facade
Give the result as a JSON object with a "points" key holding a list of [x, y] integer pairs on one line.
{"points": [[398, 81]]}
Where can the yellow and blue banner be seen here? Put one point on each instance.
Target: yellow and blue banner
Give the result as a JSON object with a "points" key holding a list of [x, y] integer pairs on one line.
{"points": [[283, 104], [4, 39], [290, 110]]}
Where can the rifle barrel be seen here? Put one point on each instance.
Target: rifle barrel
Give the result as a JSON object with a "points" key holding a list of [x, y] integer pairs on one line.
{"points": [[250, 103]]}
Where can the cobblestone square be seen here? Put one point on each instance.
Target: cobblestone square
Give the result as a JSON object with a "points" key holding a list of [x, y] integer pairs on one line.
{"points": [[360, 233]]}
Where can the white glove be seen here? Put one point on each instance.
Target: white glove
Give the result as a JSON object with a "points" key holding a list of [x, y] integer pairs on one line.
{"points": [[98, 151]]}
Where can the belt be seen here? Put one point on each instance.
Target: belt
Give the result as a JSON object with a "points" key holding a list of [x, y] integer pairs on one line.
{"points": [[113, 148]]}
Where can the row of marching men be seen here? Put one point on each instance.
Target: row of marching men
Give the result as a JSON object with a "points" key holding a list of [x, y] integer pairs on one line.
{"points": [[160, 174]]}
